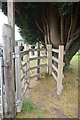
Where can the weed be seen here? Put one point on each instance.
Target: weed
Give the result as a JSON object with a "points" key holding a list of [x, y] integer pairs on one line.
{"points": [[28, 106]]}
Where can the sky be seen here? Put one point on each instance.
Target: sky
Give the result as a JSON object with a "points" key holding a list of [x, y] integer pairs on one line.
{"points": [[4, 20]]}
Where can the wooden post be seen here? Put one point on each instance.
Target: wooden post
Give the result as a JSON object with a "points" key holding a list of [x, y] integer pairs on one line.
{"points": [[18, 78], [49, 59], [60, 69], [11, 13], [28, 66], [11, 21], [38, 61], [8, 70]]}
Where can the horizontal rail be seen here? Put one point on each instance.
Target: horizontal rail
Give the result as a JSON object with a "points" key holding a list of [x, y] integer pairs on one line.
{"points": [[55, 50], [38, 74], [38, 66], [55, 59], [42, 49], [22, 53], [55, 68], [54, 76], [36, 58]]}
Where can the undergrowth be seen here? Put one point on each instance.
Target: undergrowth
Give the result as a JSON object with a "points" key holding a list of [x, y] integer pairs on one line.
{"points": [[68, 69], [28, 106]]}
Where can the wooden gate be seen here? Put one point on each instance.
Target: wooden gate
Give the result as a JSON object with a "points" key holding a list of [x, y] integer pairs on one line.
{"points": [[22, 72]]}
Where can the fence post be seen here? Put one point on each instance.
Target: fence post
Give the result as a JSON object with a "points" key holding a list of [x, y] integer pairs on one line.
{"points": [[28, 66], [38, 61], [18, 78], [1, 86], [8, 70], [60, 69], [49, 59]]}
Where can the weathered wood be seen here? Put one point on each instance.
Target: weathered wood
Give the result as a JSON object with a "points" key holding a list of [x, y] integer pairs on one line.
{"points": [[32, 68], [55, 68], [22, 53], [60, 69], [55, 50], [55, 59], [11, 12], [53, 74], [28, 66], [11, 21], [38, 61], [18, 78], [36, 58], [8, 70], [49, 59], [42, 73]]}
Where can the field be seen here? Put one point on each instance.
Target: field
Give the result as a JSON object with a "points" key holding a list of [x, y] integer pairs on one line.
{"points": [[42, 101]]}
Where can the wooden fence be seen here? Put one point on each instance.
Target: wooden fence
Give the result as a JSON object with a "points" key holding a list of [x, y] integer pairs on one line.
{"points": [[22, 71], [59, 69]]}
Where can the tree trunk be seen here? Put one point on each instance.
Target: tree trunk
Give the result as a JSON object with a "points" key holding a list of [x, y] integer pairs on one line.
{"points": [[71, 52], [53, 25]]}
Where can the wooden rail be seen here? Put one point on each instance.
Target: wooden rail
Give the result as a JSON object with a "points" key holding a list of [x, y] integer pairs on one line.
{"points": [[55, 50], [55, 59], [22, 53], [31, 68], [55, 68], [54, 76], [42, 49], [36, 58], [42, 73]]}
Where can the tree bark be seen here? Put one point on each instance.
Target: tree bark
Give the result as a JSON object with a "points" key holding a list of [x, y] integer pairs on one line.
{"points": [[62, 30], [71, 52], [54, 28]]}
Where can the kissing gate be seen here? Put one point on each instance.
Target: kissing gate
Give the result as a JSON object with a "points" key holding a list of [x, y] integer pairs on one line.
{"points": [[17, 73]]}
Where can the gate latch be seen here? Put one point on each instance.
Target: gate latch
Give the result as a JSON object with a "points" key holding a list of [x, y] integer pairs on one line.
{"points": [[15, 55]]}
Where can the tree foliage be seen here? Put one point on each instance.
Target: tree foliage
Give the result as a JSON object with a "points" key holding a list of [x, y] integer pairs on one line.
{"points": [[34, 23]]}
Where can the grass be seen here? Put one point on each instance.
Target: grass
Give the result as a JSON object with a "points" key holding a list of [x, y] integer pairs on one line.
{"points": [[28, 106]]}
